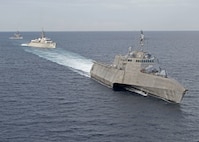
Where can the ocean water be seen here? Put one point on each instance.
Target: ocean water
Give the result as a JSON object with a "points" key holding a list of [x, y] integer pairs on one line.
{"points": [[47, 95]]}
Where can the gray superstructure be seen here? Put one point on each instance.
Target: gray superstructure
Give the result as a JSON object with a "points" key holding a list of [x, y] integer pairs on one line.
{"points": [[138, 71]]}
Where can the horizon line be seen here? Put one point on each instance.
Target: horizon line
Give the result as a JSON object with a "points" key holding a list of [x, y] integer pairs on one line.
{"points": [[102, 30]]}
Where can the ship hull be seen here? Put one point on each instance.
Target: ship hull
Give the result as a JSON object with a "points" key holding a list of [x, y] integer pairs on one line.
{"points": [[16, 38], [42, 45], [142, 83]]}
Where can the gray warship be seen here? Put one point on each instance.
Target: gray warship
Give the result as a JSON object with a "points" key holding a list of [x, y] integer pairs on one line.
{"points": [[42, 42], [138, 72], [17, 35]]}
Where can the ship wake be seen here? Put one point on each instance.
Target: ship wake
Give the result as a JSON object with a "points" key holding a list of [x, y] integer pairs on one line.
{"points": [[73, 61]]}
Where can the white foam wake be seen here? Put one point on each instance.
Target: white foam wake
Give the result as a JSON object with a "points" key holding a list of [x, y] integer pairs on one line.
{"points": [[72, 60], [24, 44]]}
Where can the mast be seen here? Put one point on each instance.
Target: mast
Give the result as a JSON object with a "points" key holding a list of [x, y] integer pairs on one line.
{"points": [[141, 39], [42, 34]]}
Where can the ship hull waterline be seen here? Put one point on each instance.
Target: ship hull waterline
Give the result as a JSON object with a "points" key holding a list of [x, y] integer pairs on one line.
{"points": [[41, 45], [166, 89]]}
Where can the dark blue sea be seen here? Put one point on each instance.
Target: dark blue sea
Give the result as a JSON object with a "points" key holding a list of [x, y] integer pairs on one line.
{"points": [[47, 95]]}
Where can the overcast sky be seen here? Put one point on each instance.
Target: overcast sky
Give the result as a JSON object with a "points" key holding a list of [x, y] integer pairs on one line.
{"points": [[98, 15]]}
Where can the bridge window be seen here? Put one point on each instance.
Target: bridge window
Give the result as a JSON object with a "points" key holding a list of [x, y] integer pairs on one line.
{"points": [[144, 61]]}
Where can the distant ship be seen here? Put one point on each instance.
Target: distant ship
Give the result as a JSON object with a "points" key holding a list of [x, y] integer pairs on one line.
{"points": [[17, 35], [42, 42], [138, 72]]}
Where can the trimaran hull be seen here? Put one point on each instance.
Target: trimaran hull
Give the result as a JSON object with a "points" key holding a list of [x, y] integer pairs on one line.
{"points": [[141, 83]]}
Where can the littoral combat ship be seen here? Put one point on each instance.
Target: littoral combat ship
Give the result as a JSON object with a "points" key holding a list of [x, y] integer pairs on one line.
{"points": [[138, 72]]}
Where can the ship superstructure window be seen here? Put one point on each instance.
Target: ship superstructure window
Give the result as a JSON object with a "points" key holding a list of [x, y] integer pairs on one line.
{"points": [[145, 61]]}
